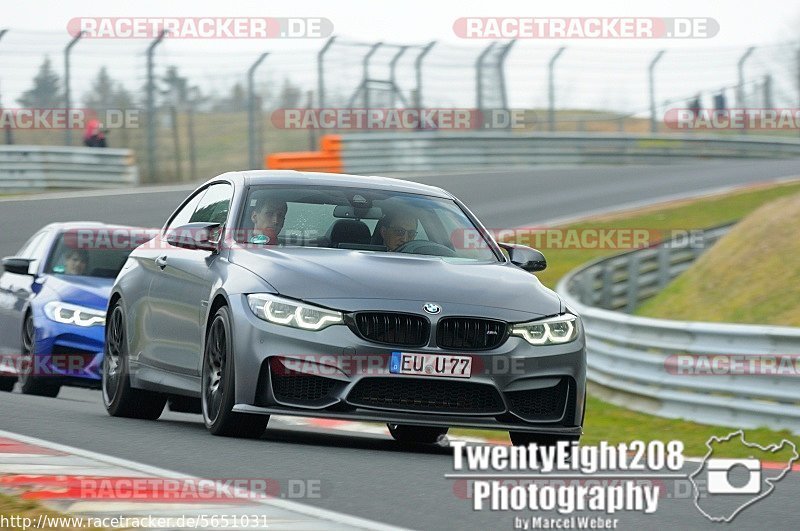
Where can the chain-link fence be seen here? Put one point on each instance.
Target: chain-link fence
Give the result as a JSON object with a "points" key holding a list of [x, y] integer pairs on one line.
{"points": [[198, 108]]}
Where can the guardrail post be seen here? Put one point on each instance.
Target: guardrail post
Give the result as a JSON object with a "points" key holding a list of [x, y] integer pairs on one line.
{"points": [[607, 290], [151, 115], [587, 286], [652, 89], [251, 113], [664, 252], [633, 283], [67, 95], [551, 89]]}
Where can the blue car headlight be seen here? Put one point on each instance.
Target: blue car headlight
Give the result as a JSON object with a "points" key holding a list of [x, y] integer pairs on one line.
{"points": [[62, 312], [292, 313], [551, 331]]}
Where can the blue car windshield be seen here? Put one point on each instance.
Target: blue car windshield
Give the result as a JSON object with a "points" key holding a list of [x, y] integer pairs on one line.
{"points": [[361, 219], [69, 257]]}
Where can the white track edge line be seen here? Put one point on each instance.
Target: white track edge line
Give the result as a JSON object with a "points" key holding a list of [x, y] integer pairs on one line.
{"points": [[307, 510]]}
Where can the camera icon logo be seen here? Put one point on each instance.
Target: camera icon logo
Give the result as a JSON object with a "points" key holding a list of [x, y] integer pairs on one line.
{"points": [[720, 473], [723, 487]]}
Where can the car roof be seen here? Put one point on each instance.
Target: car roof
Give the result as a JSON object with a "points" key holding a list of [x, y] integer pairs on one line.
{"points": [[257, 177], [67, 225]]}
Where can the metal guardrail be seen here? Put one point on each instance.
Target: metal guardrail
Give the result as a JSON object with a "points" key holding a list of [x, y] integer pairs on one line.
{"points": [[635, 360], [421, 151], [25, 168]]}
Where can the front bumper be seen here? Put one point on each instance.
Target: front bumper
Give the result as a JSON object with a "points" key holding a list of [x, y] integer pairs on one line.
{"points": [[335, 373], [70, 354]]}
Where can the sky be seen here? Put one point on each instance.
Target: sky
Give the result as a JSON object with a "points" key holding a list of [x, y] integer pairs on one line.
{"points": [[589, 68], [423, 20]]}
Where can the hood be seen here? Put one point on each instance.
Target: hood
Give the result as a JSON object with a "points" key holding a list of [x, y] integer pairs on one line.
{"points": [[92, 292], [320, 274]]}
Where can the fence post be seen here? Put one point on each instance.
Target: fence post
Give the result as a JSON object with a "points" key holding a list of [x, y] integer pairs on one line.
{"points": [[740, 103], [479, 76], [652, 89], [251, 113], [418, 72], [151, 115], [194, 92], [393, 77], [321, 71], [67, 94], [501, 65], [551, 89], [9, 135]]}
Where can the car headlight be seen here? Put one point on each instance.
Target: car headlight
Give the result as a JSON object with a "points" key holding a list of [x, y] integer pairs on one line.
{"points": [[62, 312], [288, 312], [552, 331]]}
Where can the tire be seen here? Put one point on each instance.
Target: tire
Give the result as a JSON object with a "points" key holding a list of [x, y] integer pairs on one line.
{"points": [[119, 398], [7, 383], [521, 438], [405, 434], [29, 383], [219, 384]]}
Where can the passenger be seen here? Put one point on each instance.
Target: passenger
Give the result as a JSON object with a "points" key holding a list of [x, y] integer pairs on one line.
{"points": [[76, 262], [398, 227], [268, 217]]}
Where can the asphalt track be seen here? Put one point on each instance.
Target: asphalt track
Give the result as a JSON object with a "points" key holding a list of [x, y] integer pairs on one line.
{"points": [[369, 475]]}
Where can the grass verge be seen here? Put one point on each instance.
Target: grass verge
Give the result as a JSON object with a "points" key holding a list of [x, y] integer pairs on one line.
{"points": [[605, 421], [24, 514], [752, 275]]}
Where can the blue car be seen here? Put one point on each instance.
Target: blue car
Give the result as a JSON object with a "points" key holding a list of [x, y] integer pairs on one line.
{"points": [[53, 298]]}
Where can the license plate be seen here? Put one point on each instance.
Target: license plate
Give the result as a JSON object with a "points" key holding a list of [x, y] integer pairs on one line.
{"points": [[431, 365]]}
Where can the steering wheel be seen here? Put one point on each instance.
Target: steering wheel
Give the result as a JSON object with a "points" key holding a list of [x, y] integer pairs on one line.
{"points": [[425, 247]]}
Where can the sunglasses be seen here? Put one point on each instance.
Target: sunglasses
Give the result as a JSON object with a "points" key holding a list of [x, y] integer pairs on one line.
{"points": [[400, 232]]}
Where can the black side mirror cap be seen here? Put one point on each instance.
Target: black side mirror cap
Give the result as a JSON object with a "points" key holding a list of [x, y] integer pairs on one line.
{"points": [[196, 236], [525, 258], [15, 264]]}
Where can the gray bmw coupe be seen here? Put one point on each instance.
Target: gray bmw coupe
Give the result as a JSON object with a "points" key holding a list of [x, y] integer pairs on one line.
{"points": [[346, 297]]}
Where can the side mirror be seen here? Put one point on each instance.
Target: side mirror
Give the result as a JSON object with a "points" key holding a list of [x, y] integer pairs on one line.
{"points": [[525, 257], [15, 264], [196, 236]]}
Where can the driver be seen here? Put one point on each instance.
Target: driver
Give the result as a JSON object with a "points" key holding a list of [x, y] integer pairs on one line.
{"points": [[268, 217], [76, 262], [397, 228]]}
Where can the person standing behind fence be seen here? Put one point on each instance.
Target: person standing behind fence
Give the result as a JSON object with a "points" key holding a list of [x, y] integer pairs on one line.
{"points": [[93, 135]]}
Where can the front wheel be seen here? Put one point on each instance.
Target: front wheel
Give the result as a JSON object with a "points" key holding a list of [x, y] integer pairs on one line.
{"points": [[119, 398], [31, 383], [219, 385], [521, 438], [405, 434]]}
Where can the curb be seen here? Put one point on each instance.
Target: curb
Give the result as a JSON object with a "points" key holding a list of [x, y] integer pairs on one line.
{"points": [[95, 486]]}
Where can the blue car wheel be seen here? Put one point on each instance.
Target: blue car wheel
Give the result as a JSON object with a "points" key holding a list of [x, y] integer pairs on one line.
{"points": [[30, 383]]}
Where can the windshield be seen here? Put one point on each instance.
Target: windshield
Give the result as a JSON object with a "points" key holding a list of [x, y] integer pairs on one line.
{"points": [[69, 258], [360, 219]]}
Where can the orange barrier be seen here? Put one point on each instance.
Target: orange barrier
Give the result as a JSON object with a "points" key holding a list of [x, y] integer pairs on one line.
{"points": [[328, 159]]}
